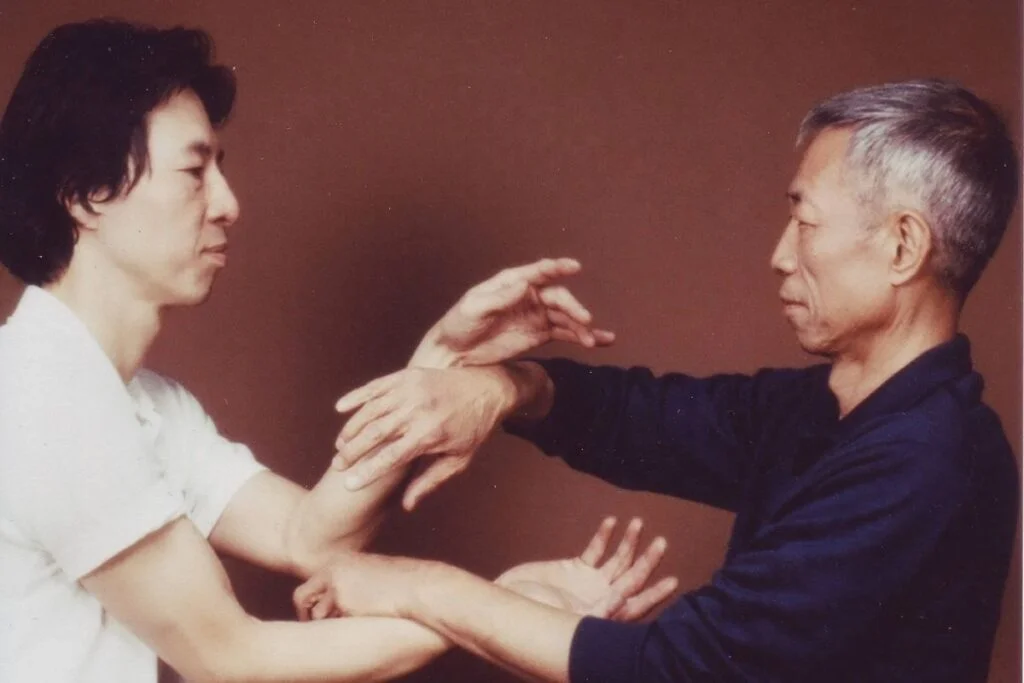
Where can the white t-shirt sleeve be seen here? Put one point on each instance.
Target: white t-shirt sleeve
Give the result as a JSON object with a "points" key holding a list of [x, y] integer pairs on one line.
{"points": [[209, 468], [75, 473]]}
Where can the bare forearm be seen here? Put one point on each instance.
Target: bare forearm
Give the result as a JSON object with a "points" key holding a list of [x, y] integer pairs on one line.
{"points": [[530, 639], [331, 517], [351, 649]]}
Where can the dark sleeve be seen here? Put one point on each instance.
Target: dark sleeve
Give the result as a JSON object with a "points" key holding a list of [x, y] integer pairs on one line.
{"points": [[808, 584], [683, 436]]}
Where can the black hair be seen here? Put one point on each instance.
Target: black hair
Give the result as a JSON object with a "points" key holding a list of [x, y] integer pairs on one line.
{"points": [[75, 129]]}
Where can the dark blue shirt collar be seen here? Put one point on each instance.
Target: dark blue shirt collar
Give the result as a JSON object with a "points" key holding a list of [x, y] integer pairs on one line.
{"points": [[933, 368]]}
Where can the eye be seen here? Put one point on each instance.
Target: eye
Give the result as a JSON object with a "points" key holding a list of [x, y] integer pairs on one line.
{"points": [[196, 172]]}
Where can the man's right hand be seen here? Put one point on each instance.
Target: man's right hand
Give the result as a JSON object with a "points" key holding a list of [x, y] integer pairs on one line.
{"points": [[513, 312], [443, 414]]}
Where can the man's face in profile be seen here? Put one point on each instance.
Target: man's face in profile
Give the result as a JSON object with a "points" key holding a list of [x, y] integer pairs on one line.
{"points": [[831, 258], [167, 235]]}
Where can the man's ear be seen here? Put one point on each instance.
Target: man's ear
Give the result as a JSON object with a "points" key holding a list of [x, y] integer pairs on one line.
{"points": [[85, 211], [912, 237]]}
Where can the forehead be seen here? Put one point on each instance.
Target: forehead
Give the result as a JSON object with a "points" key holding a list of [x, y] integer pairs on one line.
{"points": [[178, 127], [823, 163]]}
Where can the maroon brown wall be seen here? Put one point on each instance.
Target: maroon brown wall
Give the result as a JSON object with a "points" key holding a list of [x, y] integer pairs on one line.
{"points": [[387, 155]]}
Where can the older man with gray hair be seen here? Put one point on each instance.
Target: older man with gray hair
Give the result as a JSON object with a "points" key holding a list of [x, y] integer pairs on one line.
{"points": [[876, 496]]}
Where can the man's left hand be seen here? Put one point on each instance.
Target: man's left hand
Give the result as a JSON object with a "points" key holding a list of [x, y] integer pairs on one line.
{"points": [[615, 588], [361, 584]]}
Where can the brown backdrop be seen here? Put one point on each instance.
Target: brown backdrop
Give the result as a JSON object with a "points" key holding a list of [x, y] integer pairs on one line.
{"points": [[387, 155]]}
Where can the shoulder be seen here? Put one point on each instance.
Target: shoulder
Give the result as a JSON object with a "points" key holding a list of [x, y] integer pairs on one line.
{"points": [[168, 397], [54, 387], [928, 451]]}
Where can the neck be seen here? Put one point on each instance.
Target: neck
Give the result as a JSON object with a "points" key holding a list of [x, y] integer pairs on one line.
{"points": [[859, 371], [123, 324]]}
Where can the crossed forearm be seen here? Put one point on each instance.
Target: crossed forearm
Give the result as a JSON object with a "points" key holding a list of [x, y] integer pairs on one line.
{"points": [[330, 518], [525, 637]]}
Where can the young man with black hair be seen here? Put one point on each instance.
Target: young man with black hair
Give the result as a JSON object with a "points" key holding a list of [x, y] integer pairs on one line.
{"points": [[115, 486]]}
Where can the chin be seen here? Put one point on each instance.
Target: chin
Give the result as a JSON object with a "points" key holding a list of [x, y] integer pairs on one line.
{"points": [[814, 345], [192, 296]]}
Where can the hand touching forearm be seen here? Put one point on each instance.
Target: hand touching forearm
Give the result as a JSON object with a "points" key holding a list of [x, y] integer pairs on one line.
{"points": [[332, 517], [171, 591], [442, 414], [530, 637]]}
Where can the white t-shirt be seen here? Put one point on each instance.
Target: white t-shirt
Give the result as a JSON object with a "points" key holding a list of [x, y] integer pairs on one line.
{"points": [[88, 467]]}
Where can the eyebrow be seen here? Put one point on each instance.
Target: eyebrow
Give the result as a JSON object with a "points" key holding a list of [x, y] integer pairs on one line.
{"points": [[205, 150]]}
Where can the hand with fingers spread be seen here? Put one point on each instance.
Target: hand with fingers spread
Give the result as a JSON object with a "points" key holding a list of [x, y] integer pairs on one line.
{"points": [[362, 584], [444, 414], [616, 588], [517, 310]]}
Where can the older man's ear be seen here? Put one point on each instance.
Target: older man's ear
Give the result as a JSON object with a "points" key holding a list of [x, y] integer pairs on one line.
{"points": [[910, 236]]}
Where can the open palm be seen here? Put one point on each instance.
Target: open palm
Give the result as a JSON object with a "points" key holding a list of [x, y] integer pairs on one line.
{"points": [[616, 588]]}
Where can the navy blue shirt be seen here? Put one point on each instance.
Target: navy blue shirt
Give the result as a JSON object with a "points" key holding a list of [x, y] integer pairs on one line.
{"points": [[869, 548]]}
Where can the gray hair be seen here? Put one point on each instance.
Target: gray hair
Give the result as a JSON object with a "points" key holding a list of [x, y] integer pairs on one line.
{"points": [[935, 147]]}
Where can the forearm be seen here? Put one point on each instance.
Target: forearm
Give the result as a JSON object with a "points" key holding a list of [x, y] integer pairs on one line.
{"points": [[330, 518], [674, 434], [349, 649], [530, 639]]}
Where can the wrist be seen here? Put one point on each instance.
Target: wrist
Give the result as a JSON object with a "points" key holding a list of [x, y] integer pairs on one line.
{"points": [[433, 352], [534, 391], [504, 388]]}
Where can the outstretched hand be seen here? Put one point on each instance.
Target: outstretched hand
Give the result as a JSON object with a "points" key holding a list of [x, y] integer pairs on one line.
{"points": [[517, 310], [362, 584], [615, 588]]}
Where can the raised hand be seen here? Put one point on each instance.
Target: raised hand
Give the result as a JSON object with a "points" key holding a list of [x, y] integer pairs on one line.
{"points": [[615, 588], [513, 312]]}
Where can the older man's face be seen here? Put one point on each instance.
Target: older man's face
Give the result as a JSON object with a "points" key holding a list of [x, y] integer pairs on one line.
{"points": [[835, 287]]}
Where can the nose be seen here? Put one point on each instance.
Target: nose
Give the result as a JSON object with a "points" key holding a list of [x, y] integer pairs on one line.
{"points": [[223, 205], [784, 257]]}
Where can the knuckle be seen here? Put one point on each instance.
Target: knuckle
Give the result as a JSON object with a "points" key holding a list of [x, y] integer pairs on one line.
{"points": [[373, 432]]}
